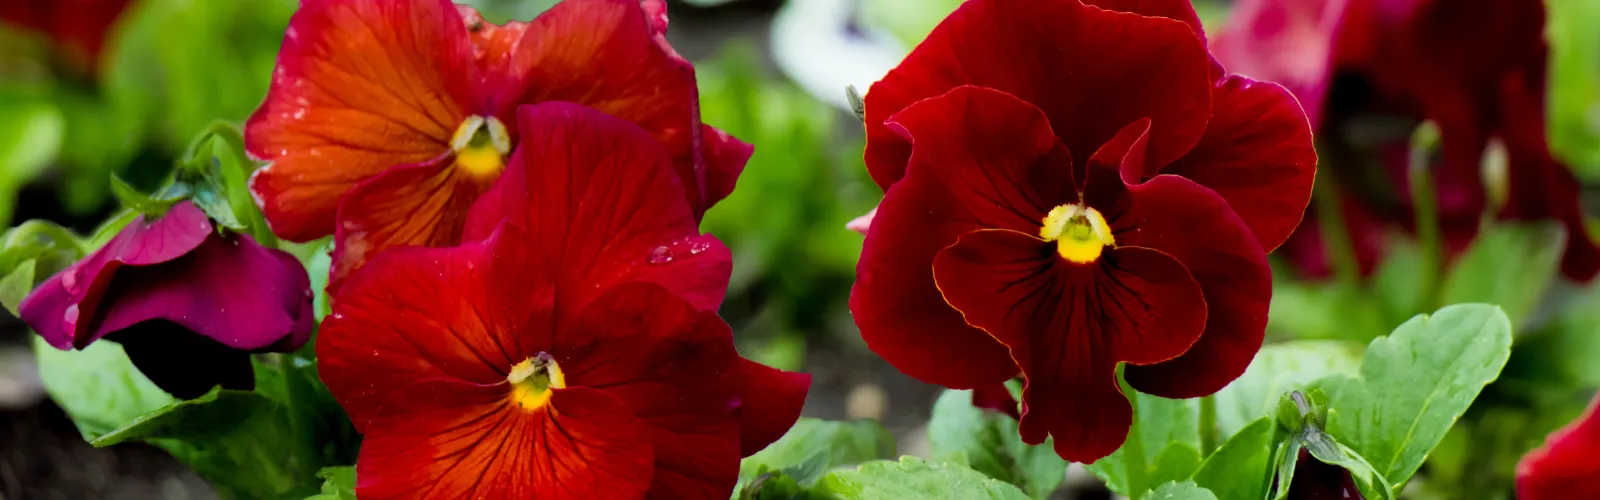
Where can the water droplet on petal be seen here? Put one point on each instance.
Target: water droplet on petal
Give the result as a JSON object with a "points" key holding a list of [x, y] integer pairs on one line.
{"points": [[71, 317], [69, 279], [661, 255], [697, 247]]}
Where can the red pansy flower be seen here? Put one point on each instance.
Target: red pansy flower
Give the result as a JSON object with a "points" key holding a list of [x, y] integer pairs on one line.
{"points": [[188, 302], [571, 353], [1568, 465], [386, 119], [1070, 187], [1475, 67], [78, 27], [1314, 480]]}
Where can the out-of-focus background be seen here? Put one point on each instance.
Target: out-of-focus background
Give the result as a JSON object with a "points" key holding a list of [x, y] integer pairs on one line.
{"points": [[144, 76]]}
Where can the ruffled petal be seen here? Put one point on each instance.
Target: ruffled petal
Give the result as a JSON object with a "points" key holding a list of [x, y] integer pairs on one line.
{"points": [[360, 86], [725, 158], [674, 366], [1102, 71], [1195, 226], [606, 54], [443, 439], [429, 313], [413, 205], [493, 46], [983, 159], [64, 312], [1568, 464], [1180, 10], [769, 403], [1256, 154], [229, 289], [1068, 325], [599, 199]]}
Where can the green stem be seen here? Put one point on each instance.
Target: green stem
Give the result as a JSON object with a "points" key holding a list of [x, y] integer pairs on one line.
{"points": [[1335, 234], [304, 451], [1133, 459], [1425, 205], [1208, 425]]}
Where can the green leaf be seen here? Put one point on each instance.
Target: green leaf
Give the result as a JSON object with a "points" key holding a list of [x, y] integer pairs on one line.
{"points": [[988, 442], [1158, 423], [1186, 490], [1177, 462], [1278, 369], [913, 478], [1241, 468], [339, 483], [1416, 382], [15, 286], [31, 131], [1508, 264], [813, 446], [132, 198], [1324, 311], [1575, 84], [97, 386], [192, 418]]}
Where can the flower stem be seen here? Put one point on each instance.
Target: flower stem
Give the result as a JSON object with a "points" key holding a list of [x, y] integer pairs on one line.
{"points": [[1133, 459], [1425, 205], [1336, 239], [1208, 425]]}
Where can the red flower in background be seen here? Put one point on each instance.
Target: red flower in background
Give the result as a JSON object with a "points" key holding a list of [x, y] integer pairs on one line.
{"points": [[1475, 67], [78, 27], [1568, 465], [573, 353], [1069, 188], [187, 302], [386, 119]]}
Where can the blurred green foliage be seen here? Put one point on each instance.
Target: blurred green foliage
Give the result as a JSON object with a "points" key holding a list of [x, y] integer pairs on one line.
{"points": [[794, 261], [1574, 104]]}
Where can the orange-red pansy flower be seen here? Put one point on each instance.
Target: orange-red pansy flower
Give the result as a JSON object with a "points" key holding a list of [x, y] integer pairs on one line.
{"points": [[570, 353], [1071, 186], [1568, 465], [386, 119]]}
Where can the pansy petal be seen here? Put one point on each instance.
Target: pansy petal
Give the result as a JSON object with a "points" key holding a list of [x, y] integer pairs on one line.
{"points": [[605, 54], [182, 362], [1180, 10], [1288, 42], [1256, 153], [412, 205], [996, 398], [674, 366], [1195, 226], [419, 313], [769, 403], [983, 159], [1142, 67], [725, 158], [66, 311], [1538, 186], [564, 186], [493, 46], [443, 439], [1566, 466], [202, 293], [1069, 324], [360, 86]]}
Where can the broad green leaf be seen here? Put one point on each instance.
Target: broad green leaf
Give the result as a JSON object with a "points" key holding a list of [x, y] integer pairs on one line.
{"points": [[1186, 490], [1242, 467], [913, 478], [813, 446], [1278, 369], [15, 286], [1178, 462], [1416, 382], [1324, 311], [1508, 264], [339, 483], [1158, 423], [988, 442], [242, 442], [97, 386], [1395, 282]]}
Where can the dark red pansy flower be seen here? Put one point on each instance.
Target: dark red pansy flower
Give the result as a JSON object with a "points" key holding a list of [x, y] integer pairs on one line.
{"points": [[1568, 465], [1474, 67], [386, 119], [78, 27], [1070, 187], [996, 398], [188, 302], [572, 353], [1314, 480]]}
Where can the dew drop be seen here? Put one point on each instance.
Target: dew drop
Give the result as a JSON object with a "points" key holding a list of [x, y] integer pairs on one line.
{"points": [[661, 255], [69, 279], [71, 317], [697, 247]]}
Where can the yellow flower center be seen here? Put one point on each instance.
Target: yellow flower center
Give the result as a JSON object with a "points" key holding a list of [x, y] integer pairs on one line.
{"points": [[1080, 233], [533, 379], [481, 144]]}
